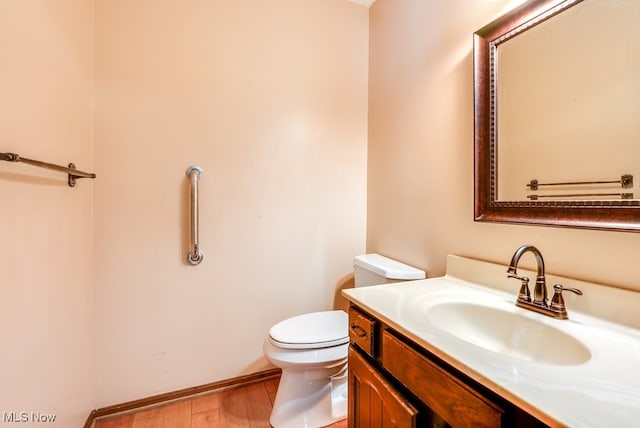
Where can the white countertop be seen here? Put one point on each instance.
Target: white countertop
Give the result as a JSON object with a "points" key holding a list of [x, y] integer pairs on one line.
{"points": [[604, 391]]}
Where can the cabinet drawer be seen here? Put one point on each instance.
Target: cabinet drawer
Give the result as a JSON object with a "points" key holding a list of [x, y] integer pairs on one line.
{"points": [[447, 396], [362, 331]]}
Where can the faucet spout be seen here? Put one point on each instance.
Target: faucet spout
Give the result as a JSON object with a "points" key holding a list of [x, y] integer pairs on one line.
{"points": [[540, 289]]}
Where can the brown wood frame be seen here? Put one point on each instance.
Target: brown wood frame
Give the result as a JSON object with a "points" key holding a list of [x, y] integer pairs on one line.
{"points": [[623, 215]]}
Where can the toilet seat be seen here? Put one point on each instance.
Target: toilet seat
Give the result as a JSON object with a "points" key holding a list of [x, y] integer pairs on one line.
{"points": [[311, 331]]}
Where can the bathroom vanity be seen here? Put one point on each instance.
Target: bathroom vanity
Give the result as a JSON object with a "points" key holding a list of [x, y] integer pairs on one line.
{"points": [[456, 351], [394, 382]]}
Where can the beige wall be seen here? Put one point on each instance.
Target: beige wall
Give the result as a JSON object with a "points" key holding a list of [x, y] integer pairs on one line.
{"points": [[45, 226], [270, 98], [420, 174]]}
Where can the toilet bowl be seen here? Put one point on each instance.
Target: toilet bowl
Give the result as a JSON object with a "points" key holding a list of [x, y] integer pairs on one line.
{"points": [[311, 349]]}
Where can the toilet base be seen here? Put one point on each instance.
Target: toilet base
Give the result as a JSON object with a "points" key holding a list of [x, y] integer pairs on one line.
{"points": [[310, 398]]}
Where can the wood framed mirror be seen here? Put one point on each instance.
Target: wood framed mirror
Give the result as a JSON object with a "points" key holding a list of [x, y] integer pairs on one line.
{"points": [[535, 90]]}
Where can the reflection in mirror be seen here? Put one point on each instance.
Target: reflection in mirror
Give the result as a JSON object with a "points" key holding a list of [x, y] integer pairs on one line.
{"points": [[557, 84], [567, 104]]}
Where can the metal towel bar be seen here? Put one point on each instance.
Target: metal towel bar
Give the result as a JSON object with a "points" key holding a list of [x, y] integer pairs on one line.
{"points": [[582, 195], [626, 182], [194, 256], [71, 170]]}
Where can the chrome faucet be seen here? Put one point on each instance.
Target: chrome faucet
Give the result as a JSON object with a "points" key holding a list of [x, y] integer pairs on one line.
{"points": [[556, 308]]}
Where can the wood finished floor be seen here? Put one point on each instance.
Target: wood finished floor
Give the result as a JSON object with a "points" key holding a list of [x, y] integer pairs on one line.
{"points": [[247, 406]]}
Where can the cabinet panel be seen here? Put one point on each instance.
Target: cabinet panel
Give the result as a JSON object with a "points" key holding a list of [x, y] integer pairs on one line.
{"points": [[362, 330], [373, 401], [449, 397]]}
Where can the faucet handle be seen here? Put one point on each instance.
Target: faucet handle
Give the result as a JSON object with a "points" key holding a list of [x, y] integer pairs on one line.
{"points": [[557, 302], [524, 295]]}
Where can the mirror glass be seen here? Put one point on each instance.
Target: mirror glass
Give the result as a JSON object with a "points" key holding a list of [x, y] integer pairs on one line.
{"points": [[568, 94], [557, 115]]}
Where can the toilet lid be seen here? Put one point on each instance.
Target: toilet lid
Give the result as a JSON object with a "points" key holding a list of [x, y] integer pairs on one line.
{"points": [[314, 330]]}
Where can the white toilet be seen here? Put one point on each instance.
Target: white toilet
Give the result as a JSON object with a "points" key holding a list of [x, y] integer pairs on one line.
{"points": [[311, 349]]}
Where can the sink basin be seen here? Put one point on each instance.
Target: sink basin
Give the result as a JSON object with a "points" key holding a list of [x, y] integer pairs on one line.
{"points": [[508, 333]]}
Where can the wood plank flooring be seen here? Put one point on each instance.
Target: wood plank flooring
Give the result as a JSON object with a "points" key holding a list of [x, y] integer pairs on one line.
{"points": [[247, 406]]}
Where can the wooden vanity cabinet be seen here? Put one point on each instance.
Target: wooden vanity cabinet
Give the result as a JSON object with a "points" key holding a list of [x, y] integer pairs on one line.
{"points": [[373, 401], [395, 383]]}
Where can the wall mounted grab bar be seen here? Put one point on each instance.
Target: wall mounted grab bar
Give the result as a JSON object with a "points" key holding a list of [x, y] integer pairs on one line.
{"points": [[71, 170], [194, 256], [626, 182]]}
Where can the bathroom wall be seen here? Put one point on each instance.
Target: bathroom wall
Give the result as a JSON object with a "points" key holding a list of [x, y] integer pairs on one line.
{"points": [[46, 320], [420, 174], [270, 99]]}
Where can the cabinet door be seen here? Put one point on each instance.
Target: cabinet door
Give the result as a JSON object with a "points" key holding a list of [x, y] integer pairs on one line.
{"points": [[373, 402], [446, 395]]}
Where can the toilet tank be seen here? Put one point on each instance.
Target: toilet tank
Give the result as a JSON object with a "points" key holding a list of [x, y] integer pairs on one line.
{"points": [[373, 269]]}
